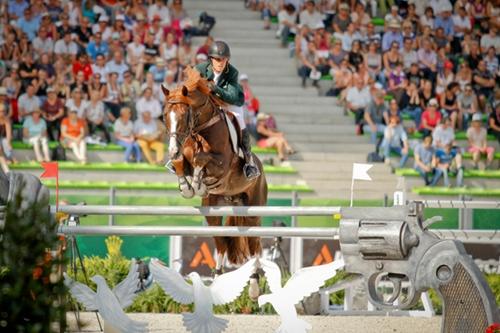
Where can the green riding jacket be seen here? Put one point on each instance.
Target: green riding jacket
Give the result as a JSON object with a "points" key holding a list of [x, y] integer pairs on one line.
{"points": [[228, 89]]}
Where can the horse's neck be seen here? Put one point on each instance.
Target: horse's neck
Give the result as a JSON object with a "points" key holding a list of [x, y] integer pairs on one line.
{"points": [[206, 109]]}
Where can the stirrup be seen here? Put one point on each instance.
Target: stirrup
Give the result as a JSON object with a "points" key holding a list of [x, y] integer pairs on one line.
{"points": [[170, 167], [251, 171]]}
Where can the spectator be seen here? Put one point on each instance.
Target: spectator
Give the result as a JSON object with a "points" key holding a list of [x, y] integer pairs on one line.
{"points": [[427, 58], [112, 96], [123, 130], [490, 40], [478, 142], [494, 122], [169, 49], [82, 65], [391, 59], [287, 18], [309, 65], [425, 161], [393, 35], [35, 133], [373, 62], [431, 117], [310, 16], [29, 24], [73, 134], [96, 117], [449, 104], [65, 48], [397, 82], [45, 63], [491, 60], [484, 84], [10, 52], [117, 65], [445, 21], [408, 54], [341, 21], [158, 9], [5, 138], [28, 102], [461, 26], [410, 103], [27, 70], [80, 84], [4, 100], [392, 16], [374, 116], [43, 44], [360, 18], [447, 160], [358, 98], [443, 134], [52, 113], [148, 135], [268, 137], [16, 8], [355, 57], [395, 140], [99, 67], [414, 75], [186, 53], [77, 103], [130, 92], [97, 47], [426, 93], [83, 33], [158, 70], [251, 105], [103, 28], [445, 78], [467, 106], [147, 103]]}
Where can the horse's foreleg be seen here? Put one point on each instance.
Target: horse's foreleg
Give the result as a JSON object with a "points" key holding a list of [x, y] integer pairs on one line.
{"points": [[254, 288], [184, 185], [198, 186]]}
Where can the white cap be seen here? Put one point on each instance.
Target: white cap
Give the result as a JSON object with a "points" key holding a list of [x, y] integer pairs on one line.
{"points": [[103, 18], [120, 17], [319, 25], [378, 86], [477, 117], [201, 56], [243, 76]]}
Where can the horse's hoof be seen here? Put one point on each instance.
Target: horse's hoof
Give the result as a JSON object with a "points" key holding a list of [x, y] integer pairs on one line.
{"points": [[187, 193], [201, 191], [253, 289]]}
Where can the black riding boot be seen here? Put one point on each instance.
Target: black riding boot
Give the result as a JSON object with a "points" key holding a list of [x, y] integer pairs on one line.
{"points": [[250, 169]]}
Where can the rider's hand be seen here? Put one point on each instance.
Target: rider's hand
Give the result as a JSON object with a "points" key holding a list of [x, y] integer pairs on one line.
{"points": [[211, 85]]}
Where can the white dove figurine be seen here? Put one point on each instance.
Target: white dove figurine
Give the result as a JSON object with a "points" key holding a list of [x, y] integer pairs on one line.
{"points": [[303, 283], [224, 289], [110, 304]]}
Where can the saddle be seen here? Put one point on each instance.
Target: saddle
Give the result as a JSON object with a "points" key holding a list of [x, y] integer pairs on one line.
{"points": [[234, 132]]}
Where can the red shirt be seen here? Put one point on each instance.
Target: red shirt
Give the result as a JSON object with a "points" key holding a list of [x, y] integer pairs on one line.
{"points": [[86, 69], [431, 121]]}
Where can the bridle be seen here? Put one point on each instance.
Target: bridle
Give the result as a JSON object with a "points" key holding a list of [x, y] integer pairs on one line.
{"points": [[193, 126]]}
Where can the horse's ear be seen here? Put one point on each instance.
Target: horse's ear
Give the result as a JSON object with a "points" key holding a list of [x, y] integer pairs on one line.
{"points": [[165, 90], [184, 91]]}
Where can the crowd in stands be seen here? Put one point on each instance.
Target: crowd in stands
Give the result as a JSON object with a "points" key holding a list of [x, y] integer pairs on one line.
{"points": [[435, 62], [89, 71]]}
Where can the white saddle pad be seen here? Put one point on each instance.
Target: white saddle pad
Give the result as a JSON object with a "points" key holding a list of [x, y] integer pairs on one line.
{"points": [[233, 135]]}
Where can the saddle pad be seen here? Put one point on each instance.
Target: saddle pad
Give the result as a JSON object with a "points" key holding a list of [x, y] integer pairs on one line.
{"points": [[233, 135]]}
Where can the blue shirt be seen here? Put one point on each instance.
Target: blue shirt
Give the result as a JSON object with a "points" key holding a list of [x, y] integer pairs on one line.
{"points": [[391, 37], [93, 50], [34, 129], [444, 157], [158, 73], [447, 25], [112, 66], [425, 154], [30, 27], [17, 8]]}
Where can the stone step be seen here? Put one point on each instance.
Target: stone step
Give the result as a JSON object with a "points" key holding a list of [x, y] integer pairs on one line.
{"points": [[298, 110], [332, 148], [242, 34], [295, 100], [318, 129], [284, 119], [275, 91], [282, 81], [264, 71]]}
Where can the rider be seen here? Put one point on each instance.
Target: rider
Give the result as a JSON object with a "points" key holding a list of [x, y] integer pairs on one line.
{"points": [[223, 81]]}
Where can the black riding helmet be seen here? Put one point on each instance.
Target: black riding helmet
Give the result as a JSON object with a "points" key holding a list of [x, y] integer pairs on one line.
{"points": [[219, 49]]}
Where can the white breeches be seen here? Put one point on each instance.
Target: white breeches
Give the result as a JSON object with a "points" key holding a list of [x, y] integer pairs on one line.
{"points": [[239, 114]]}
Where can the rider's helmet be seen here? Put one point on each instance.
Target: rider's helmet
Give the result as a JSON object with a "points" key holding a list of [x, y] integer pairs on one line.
{"points": [[219, 49]]}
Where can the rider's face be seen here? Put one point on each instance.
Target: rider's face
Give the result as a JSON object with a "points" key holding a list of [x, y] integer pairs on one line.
{"points": [[219, 64]]}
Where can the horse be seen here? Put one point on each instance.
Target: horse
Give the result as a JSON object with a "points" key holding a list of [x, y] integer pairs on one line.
{"points": [[206, 164]]}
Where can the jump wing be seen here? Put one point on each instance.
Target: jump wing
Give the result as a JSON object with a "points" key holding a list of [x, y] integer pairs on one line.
{"points": [[227, 287], [273, 274], [125, 290], [309, 279], [81, 293], [172, 282]]}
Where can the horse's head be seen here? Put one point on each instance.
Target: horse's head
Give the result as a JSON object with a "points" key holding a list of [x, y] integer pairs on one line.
{"points": [[182, 109], [178, 117]]}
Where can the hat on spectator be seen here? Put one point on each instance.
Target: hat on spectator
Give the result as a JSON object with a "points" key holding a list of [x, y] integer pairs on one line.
{"points": [[433, 102], [160, 62], [44, 14], [146, 88], [120, 17], [243, 76], [448, 64], [378, 86], [477, 117], [3, 91], [139, 17], [50, 90], [394, 7], [201, 57], [103, 18], [407, 24], [156, 18], [262, 116], [344, 6], [394, 24]]}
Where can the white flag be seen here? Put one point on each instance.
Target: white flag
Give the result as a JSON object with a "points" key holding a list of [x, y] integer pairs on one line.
{"points": [[360, 171]]}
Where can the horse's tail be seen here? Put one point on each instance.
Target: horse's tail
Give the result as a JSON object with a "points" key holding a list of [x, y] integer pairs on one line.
{"points": [[240, 249]]}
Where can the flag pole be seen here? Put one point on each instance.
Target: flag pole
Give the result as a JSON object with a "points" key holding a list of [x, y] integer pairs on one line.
{"points": [[352, 189]]}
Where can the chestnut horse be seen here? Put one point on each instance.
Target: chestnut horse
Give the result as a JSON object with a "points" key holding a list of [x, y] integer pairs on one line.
{"points": [[206, 165]]}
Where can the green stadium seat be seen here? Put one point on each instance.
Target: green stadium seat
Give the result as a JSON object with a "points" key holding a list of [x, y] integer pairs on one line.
{"points": [[468, 173], [454, 191]]}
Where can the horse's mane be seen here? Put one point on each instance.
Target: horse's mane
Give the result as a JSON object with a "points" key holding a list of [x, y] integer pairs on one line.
{"points": [[194, 81]]}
